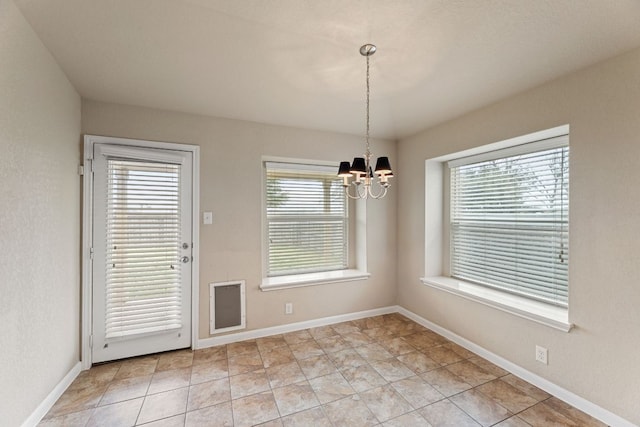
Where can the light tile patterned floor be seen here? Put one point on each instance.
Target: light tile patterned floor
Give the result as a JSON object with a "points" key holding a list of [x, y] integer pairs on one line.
{"points": [[383, 370]]}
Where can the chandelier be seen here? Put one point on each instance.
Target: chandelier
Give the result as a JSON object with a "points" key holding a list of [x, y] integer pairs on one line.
{"points": [[360, 170]]}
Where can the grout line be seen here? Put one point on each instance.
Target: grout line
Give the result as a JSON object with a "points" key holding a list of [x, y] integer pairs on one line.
{"points": [[327, 354]]}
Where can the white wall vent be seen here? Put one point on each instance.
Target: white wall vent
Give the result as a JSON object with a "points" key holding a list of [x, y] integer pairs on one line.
{"points": [[226, 306]]}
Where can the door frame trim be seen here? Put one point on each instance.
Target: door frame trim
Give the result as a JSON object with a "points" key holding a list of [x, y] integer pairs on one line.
{"points": [[87, 234]]}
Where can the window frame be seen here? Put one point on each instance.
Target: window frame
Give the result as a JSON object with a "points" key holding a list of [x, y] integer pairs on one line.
{"points": [[534, 149], [356, 238], [303, 178], [437, 248]]}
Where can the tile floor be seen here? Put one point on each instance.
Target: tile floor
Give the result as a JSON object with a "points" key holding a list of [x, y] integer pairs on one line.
{"points": [[383, 370]]}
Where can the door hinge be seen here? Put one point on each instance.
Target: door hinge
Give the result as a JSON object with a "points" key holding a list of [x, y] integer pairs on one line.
{"points": [[91, 253], [81, 170], [91, 341]]}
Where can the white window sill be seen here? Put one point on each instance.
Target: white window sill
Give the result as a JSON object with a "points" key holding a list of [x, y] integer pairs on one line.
{"points": [[546, 314], [311, 279]]}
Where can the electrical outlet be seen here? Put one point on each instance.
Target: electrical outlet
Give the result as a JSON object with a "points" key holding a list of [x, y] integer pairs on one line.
{"points": [[541, 354], [288, 308]]}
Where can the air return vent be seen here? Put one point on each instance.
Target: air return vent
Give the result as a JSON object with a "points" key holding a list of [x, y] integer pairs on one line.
{"points": [[226, 306]]}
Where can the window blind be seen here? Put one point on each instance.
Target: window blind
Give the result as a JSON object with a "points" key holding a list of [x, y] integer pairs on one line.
{"points": [[307, 219], [510, 222], [143, 292]]}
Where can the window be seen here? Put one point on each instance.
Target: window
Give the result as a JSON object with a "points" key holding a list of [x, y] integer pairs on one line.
{"points": [[509, 220], [499, 246], [143, 284], [306, 218]]}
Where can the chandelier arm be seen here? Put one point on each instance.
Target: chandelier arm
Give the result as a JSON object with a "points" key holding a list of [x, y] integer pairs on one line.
{"points": [[362, 191], [346, 192], [380, 195], [362, 194]]}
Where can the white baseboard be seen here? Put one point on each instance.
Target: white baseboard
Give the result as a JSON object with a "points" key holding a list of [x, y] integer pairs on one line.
{"points": [[565, 395], [291, 327], [52, 397]]}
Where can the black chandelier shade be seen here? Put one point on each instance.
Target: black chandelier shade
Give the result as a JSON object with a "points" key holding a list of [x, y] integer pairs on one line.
{"points": [[359, 167]]}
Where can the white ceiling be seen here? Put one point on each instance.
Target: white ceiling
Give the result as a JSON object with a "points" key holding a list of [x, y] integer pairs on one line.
{"points": [[296, 62]]}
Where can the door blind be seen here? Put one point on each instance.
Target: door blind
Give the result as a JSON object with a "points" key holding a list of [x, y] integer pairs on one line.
{"points": [[307, 219], [510, 223], [143, 291]]}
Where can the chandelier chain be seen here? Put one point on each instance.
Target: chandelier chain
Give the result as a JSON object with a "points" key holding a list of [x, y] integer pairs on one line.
{"points": [[368, 152]]}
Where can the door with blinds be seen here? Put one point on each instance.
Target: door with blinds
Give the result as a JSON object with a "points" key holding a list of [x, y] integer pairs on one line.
{"points": [[142, 246]]}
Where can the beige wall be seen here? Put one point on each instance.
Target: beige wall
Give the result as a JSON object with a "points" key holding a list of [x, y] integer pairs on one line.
{"points": [[39, 220], [231, 187], [598, 360]]}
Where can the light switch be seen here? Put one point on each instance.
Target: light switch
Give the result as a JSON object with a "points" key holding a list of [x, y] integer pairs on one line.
{"points": [[207, 218]]}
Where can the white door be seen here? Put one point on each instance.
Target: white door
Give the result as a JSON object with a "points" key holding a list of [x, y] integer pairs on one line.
{"points": [[142, 245]]}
